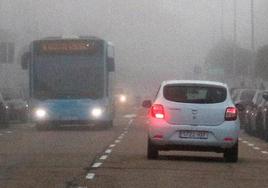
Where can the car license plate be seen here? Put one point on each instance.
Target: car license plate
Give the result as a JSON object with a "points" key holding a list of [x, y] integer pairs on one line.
{"points": [[194, 134]]}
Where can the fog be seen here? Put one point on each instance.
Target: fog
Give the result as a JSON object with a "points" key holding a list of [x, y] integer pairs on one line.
{"points": [[154, 39]]}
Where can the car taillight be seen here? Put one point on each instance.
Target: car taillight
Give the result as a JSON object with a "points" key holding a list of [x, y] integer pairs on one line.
{"points": [[231, 114], [157, 111]]}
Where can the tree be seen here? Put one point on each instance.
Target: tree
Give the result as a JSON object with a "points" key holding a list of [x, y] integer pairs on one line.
{"points": [[228, 60], [261, 63]]}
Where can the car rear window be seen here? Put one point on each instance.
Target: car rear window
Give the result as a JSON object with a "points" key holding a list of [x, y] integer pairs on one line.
{"points": [[195, 94]]}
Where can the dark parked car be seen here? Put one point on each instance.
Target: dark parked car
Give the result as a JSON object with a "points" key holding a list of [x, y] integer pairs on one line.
{"points": [[261, 121], [252, 113], [244, 98], [4, 111], [18, 110]]}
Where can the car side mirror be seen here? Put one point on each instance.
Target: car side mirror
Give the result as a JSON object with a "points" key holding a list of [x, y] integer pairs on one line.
{"points": [[110, 64], [265, 96], [240, 107], [147, 104]]}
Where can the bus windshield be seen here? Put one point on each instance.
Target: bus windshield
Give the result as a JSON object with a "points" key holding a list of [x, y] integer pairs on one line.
{"points": [[65, 76]]}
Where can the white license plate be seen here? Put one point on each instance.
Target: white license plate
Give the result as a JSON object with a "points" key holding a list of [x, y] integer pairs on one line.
{"points": [[194, 134]]}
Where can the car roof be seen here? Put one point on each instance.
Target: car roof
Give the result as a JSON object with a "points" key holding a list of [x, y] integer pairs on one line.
{"points": [[213, 83]]}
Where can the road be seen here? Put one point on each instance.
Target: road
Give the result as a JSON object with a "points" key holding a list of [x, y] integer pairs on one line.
{"points": [[83, 157]]}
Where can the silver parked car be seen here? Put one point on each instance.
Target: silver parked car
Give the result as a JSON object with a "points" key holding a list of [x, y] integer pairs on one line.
{"points": [[194, 116]]}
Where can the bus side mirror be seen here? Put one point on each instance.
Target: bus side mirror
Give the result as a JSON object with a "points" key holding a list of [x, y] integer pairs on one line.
{"points": [[25, 60], [110, 64]]}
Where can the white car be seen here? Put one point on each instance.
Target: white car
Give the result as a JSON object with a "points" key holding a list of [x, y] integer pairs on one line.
{"points": [[193, 116]]}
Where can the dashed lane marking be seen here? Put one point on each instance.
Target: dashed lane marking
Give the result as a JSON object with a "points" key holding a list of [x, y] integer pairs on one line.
{"points": [[8, 132], [256, 148], [117, 141], [112, 145], [104, 157], [108, 151], [250, 144], [130, 116], [130, 122], [264, 152], [240, 139], [245, 142], [90, 176], [96, 165]]}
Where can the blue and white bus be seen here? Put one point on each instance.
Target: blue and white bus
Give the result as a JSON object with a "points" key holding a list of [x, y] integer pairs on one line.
{"points": [[70, 81]]}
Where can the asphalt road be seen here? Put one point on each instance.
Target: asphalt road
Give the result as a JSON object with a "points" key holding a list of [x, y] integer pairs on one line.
{"points": [[80, 157]]}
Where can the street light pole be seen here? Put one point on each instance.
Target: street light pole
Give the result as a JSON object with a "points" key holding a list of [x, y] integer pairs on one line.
{"points": [[222, 19], [234, 35], [252, 25]]}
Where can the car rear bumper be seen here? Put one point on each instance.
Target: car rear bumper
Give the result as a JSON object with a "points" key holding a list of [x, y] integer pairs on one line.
{"points": [[220, 137]]}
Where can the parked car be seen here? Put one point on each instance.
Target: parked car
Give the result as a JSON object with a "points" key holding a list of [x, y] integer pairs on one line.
{"points": [[193, 115], [4, 112], [262, 117], [18, 110], [244, 98], [251, 113]]}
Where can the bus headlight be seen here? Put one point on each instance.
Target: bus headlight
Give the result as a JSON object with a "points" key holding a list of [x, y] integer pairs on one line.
{"points": [[96, 112], [40, 113]]}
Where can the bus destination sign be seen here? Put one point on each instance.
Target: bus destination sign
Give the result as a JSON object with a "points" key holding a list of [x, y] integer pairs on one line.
{"points": [[65, 47]]}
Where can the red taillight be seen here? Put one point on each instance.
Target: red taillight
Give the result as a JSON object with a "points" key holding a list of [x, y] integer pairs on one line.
{"points": [[231, 114], [157, 111]]}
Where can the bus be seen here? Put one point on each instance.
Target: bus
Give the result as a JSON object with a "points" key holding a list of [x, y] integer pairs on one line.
{"points": [[70, 81]]}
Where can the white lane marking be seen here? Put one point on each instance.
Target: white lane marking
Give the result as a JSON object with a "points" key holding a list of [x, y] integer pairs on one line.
{"points": [[120, 137], [130, 116], [104, 157], [245, 142], [130, 122], [117, 141], [250, 144], [1, 134], [126, 132], [112, 145], [264, 152], [8, 132], [96, 165], [256, 148], [90, 176], [108, 151], [240, 139]]}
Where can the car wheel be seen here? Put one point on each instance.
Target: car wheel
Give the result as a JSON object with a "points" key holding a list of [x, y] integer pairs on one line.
{"points": [[265, 134], [246, 127], [231, 155], [259, 126], [152, 152]]}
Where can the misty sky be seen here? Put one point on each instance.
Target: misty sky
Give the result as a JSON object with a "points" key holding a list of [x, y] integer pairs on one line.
{"points": [[152, 37]]}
